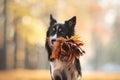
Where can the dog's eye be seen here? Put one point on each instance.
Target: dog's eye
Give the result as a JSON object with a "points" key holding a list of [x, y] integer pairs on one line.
{"points": [[53, 29]]}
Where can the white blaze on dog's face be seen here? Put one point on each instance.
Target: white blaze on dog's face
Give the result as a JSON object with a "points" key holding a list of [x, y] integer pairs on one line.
{"points": [[54, 36]]}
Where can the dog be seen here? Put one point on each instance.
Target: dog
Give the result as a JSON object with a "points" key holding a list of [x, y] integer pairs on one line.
{"points": [[61, 70]]}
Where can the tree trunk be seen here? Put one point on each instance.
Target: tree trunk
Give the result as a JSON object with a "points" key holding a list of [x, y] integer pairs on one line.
{"points": [[3, 49]]}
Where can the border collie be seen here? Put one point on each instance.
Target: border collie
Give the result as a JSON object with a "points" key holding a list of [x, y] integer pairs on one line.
{"points": [[61, 70]]}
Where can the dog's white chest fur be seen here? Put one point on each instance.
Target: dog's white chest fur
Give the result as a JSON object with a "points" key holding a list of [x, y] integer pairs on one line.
{"points": [[57, 67]]}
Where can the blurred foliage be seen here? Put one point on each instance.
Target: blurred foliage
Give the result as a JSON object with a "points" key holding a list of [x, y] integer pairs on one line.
{"points": [[23, 25]]}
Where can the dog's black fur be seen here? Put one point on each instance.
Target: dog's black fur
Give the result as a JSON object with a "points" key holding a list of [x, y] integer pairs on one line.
{"points": [[65, 30]]}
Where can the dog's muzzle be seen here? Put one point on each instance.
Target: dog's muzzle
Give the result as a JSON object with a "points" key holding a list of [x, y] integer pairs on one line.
{"points": [[53, 40]]}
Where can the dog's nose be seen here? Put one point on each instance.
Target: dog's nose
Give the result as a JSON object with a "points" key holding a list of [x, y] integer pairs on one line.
{"points": [[53, 40]]}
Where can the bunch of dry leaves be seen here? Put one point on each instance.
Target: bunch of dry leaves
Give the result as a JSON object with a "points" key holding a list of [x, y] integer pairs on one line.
{"points": [[67, 49]]}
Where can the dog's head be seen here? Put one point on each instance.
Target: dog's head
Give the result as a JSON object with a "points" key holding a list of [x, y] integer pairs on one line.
{"points": [[56, 30]]}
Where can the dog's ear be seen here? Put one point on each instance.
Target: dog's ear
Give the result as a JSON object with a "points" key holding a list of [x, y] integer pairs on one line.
{"points": [[52, 20], [71, 22]]}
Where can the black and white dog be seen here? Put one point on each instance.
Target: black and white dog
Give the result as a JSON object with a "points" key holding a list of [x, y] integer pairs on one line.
{"points": [[62, 70]]}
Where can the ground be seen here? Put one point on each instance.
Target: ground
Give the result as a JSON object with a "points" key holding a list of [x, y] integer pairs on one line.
{"points": [[21, 74]]}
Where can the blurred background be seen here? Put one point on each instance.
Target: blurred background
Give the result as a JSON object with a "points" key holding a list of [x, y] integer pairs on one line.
{"points": [[23, 25]]}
